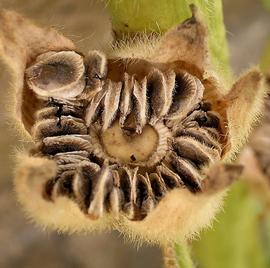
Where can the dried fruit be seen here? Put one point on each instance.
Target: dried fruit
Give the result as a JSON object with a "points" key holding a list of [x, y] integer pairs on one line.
{"points": [[128, 142]]}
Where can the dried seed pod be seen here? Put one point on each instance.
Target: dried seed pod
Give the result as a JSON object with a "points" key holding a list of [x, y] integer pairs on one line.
{"points": [[151, 155], [143, 183], [65, 143], [195, 151], [102, 186], [57, 74], [144, 196], [83, 185], [126, 104], [158, 186], [134, 139], [111, 102], [93, 110], [55, 127], [160, 89], [96, 71], [170, 179], [188, 93], [140, 106], [116, 196]]}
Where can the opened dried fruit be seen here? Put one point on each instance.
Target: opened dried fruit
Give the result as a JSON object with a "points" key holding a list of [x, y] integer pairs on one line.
{"points": [[127, 142]]}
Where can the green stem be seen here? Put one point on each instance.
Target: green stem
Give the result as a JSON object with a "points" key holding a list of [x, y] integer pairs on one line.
{"points": [[145, 16], [265, 60], [176, 255], [236, 239], [183, 255], [266, 4]]}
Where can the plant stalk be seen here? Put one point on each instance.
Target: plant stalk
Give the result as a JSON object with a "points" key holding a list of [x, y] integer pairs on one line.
{"points": [[148, 16]]}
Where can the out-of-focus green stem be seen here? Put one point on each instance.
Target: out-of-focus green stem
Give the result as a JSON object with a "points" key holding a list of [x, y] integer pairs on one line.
{"points": [[133, 16], [265, 61], [183, 255], [266, 4], [239, 237]]}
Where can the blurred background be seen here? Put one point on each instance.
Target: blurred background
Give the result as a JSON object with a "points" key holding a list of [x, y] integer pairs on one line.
{"points": [[87, 23]]}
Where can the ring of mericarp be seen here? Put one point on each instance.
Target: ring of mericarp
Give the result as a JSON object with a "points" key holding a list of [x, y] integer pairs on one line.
{"points": [[173, 103]]}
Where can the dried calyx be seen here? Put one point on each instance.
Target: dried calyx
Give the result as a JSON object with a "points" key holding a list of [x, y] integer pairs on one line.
{"points": [[122, 138]]}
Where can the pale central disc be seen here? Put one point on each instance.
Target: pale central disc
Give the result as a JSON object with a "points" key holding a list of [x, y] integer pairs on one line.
{"points": [[134, 148]]}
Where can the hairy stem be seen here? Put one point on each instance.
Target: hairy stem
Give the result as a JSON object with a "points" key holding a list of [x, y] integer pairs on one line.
{"points": [[177, 256], [146, 16], [183, 255]]}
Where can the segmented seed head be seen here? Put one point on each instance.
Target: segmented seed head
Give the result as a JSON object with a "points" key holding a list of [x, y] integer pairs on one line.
{"points": [[133, 139], [57, 74], [145, 132]]}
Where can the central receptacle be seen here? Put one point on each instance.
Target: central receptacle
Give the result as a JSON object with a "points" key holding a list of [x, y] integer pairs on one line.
{"points": [[130, 148]]}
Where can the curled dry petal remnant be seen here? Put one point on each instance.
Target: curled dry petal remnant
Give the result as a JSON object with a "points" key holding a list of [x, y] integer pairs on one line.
{"points": [[133, 143]]}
